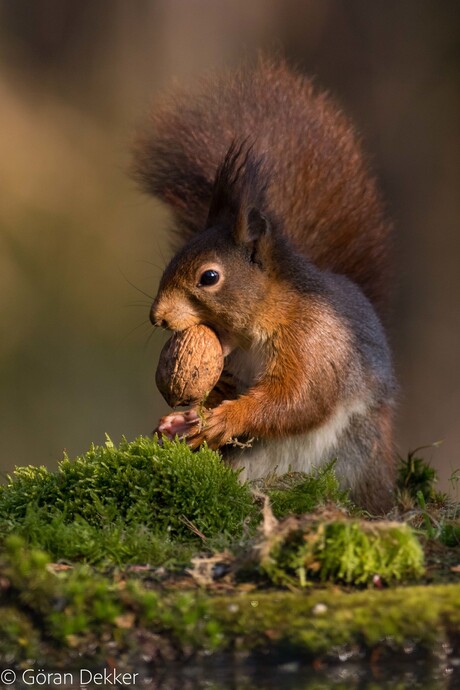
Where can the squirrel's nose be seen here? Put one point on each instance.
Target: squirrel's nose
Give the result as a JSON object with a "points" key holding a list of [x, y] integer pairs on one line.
{"points": [[155, 317], [160, 312]]}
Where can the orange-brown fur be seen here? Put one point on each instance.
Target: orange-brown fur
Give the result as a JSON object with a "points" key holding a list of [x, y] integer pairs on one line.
{"points": [[280, 404]]}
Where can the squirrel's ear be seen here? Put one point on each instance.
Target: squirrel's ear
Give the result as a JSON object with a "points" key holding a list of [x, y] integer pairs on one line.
{"points": [[251, 226]]}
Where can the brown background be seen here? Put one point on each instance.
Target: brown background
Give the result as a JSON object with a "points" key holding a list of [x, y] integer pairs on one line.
{"points": [[77, 76]]}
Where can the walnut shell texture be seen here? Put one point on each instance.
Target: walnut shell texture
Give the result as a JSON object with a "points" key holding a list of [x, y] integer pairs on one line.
{"points": [[190, 365]]}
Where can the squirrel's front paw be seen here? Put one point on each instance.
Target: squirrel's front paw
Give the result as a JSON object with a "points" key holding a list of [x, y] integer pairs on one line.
{"points": [[176, 424], [212, 426]]}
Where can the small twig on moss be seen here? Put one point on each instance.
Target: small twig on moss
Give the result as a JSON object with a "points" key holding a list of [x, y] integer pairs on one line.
{"points": [[193, 527]]}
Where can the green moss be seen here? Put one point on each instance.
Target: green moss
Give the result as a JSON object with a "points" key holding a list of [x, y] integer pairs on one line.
{"points": [[296, 493], [340, 549], [450, 533], [143, 502], [18, 638], [125, 504], [76, 606], [118, 543], [162, 505], [416, 476], [322, 621], [78, 609]]}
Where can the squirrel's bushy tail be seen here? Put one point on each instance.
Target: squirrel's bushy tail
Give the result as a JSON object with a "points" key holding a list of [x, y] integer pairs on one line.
{"points": [[319, 183]]}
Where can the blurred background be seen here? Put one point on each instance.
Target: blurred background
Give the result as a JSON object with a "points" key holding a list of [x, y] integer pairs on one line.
{"points": [[78, 241]]}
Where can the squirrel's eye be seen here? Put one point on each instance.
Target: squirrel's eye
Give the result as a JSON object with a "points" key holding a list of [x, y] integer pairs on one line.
{"points": [[209, 277]]}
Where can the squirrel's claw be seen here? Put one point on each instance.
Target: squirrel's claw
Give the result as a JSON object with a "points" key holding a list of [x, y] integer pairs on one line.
{"points": [[196, 427], [212, 427]]}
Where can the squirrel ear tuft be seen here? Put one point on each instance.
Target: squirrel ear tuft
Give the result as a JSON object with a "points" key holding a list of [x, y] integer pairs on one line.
{"points": [[257, 224], [250, 226]]}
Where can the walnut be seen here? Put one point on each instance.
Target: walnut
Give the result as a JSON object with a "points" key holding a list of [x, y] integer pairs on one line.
{"points": [[190, 365]]}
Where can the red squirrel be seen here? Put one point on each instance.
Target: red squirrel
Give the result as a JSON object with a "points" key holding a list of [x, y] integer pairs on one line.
{"points": [[283, 250]]}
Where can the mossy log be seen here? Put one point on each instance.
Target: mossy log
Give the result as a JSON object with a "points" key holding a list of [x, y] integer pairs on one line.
{"points": [[143, 503], [60, 613]]}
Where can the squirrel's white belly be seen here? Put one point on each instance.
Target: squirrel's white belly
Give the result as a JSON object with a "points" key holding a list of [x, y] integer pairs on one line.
{"points": [[300, 453]]}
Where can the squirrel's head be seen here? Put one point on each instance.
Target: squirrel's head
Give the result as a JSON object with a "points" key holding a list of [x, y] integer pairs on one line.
{"points": [[223, 275], [220, 279]]}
